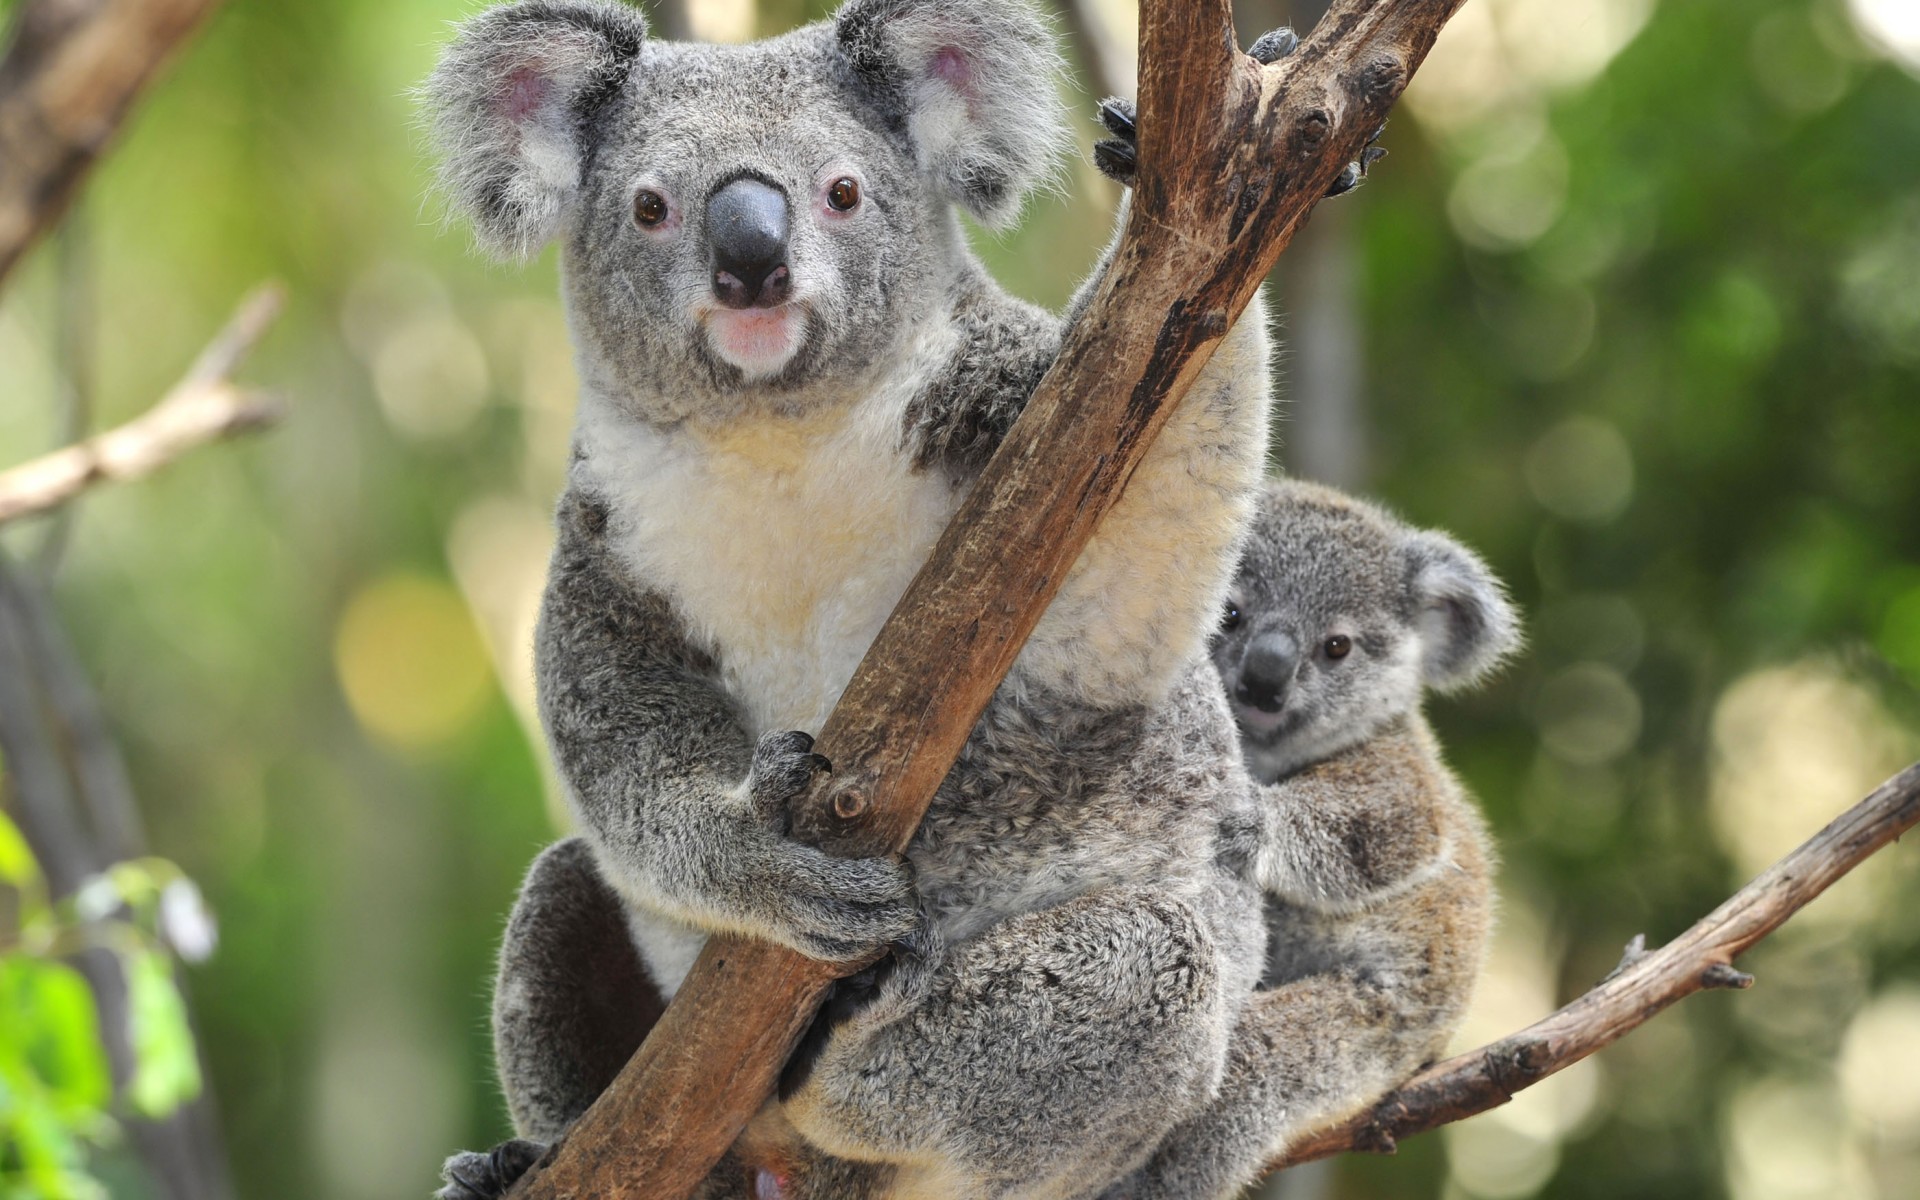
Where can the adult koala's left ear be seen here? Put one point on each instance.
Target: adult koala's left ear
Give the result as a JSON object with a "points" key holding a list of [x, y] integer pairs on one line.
{"points": [[975, 81], [1467, 625]]}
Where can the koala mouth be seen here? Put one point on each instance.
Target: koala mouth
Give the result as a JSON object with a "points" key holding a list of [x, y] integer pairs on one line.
{"points": [[1263, 726], [760, 342]]}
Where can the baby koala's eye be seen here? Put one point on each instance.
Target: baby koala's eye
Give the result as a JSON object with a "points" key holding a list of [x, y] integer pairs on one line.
{"points": [[1230, 619], [649, 208], [1338, 646], [843, 195]]}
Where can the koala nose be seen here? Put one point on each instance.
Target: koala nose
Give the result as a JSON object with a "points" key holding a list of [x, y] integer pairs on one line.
{"points": [[747, 232], [1266, 672]]}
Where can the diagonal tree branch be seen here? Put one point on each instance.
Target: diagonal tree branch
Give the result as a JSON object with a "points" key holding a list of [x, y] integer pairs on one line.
{"points": [[1233, 156], [71, 73], [204, 406], [1644, 984]]}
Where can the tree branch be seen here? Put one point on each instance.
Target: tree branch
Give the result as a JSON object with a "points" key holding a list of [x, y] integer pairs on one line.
{"points": [[203, 407], [1233, 156], [70, 75], [1645, 983]]}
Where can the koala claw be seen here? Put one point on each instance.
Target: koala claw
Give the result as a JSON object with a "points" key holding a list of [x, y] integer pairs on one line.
{"points": [[488, 1176], [1118, 156], [1355, 171], [1274, 45], [784, 766]]}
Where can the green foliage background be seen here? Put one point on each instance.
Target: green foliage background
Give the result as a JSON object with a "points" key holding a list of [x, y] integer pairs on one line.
{"points": [[1649, 337]]}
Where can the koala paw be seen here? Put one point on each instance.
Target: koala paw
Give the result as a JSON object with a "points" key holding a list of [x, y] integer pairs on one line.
{"points": [[826, 907], [1118, 156], [472, 1176], [1274, 45], [784, 767]]}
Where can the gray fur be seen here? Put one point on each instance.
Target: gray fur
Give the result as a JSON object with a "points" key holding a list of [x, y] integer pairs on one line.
{"points": [[739, 521], [1375, 862]]}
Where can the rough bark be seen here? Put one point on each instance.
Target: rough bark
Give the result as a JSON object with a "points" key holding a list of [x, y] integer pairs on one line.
{"points": [[1233, 156]]}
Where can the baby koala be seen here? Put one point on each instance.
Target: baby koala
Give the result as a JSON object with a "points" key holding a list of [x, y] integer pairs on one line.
{"points": [[1375, 862]]}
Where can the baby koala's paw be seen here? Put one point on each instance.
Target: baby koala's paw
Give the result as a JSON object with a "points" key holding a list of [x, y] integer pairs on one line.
{"points": [[488, 1176]]}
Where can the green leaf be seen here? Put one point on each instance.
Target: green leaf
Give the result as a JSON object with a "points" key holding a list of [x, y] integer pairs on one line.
{"points": [[166, 1069], [54, 1030], [17, 865]]}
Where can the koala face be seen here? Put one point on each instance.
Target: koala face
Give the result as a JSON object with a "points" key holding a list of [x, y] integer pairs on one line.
{"points": [[746, 221], [743, 223], [1340, 616]]}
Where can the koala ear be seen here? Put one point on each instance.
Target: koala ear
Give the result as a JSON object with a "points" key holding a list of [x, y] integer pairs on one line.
{"points": [[511, 110], [1467, 625], [975, 82]]}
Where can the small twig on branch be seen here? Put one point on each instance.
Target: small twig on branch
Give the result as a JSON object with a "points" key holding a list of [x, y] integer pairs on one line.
{"points": [[1233, 156], [1645, 983], [70, 75], [204, 406]]}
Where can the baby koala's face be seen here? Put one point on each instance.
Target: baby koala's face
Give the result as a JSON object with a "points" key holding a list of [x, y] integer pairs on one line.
{"points": [[1339, 617]]}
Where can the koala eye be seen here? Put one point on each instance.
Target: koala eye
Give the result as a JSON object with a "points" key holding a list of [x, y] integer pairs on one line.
{"points": [[843, 195], [649, 208], [1230, 619], [1338, 646]]}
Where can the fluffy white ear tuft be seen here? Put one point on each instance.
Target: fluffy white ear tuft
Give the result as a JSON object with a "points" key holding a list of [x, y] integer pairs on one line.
{"points": [[511, 108], [1467, 624], [977, 83]]}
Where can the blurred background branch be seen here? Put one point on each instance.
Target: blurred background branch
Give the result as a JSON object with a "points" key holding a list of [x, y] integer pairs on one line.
{"points": [[204, 406], [71, 73]]}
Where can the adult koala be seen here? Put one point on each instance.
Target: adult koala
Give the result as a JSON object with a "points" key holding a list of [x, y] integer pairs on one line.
{"points": [[792, 371]]}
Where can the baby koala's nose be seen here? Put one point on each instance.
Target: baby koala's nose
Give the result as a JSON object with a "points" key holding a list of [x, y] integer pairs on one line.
{"points": [[747, 232], [1266, 672]]}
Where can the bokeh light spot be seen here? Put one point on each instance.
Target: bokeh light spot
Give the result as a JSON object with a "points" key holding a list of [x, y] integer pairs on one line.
{"points": [[1880, 1065], [410, 661], [1581, 469], [1900, 633], [1588, 714]]}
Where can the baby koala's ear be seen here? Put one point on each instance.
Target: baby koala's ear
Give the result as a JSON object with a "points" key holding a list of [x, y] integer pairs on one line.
{"points": [[512, 107], [1467, 625], [975, 82]]}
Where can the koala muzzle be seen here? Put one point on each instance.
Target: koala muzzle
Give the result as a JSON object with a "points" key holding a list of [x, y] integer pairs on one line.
{"points": [[1266, 672], [747, 233]]}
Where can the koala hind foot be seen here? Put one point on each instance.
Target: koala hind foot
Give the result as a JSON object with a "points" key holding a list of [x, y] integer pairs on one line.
{"points": [[487, 1176]]}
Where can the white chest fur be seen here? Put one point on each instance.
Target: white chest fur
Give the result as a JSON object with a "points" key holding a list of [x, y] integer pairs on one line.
{"points": [[783, 542]]}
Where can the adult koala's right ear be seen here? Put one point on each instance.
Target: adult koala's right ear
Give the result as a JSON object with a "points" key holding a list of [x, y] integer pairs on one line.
{"points": [[512, 107], [974, 81]]}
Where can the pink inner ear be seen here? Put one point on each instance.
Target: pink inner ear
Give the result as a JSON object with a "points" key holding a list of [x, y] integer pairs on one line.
{"points": [[527, 92], [951, 65]]}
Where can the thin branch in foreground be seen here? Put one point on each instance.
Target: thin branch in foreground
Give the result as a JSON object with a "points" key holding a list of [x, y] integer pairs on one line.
{"points": [[204, 406], [69, 78], [1645, 983]]}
